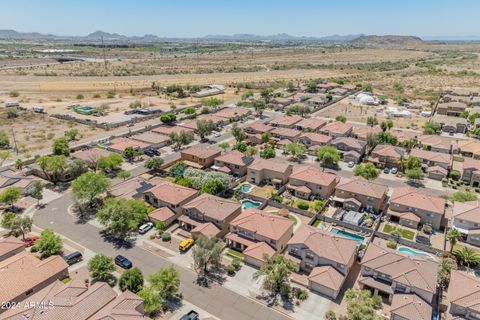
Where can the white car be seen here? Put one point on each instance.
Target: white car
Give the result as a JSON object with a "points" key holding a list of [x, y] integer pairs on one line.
{"points": [[394, 170], [217, 134], [351, 164], [145, 227]]}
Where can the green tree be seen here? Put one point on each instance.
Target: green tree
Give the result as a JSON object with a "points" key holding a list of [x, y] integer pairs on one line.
{"points": [[131, 280], [251, 151], [19, 164], [312, 87], [123, 175], [109, 163], [224, 146], [101, 267], [259, 106], [367, 171], [151, 300], [48, 244], [4, 141], [60, 147], [181, 139], [276, 273], [238, 133], [412, 163], [291, 87], [205, 128], [464, 196], [189, 110], [177, 169], [154, 163], [296, 150], [361, 304], [130, 153], [207, 252], [431, 128], [328, 156], [166, 281], [453, 236], [17, 224], [87, 188], [372, 121], [135, 105], [247, 94], [266, 94], [467, 256], [341, 118], [72, 134], [212, 102], [386, 138], [240, 146], [267, 153], [7, 220], [168, 118], [37, 191], [214, 187], [10, 195], [414, 174], [53, 167], [76, 168], [266, 137]]}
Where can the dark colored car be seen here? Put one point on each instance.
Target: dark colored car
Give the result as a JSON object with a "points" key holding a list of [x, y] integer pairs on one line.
{"points": [[123, 262], [191, 315], [386, 170], [73, 258], [151, 152]]}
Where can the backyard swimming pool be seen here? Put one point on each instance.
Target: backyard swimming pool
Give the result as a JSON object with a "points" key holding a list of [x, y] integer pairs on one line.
{"points": [[348, 235], [245, 188], [246, 204], [413, 252]]}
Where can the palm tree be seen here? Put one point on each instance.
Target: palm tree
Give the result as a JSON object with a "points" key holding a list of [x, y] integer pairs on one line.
{"points": [[467, 257], [453, 236]]}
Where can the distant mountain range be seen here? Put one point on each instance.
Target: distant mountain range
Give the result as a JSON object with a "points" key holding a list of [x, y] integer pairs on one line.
{"points": [[386, 40], [281, 37]]}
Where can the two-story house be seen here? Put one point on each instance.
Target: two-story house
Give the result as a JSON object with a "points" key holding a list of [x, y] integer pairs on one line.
{"points": [[286, 121], [326, 256], [469, 148], [357, 193], [471, 172], [466, 219], [234, 162], [313, 141], [437, 143], [350, 149], [285, 133], [410, 207], [310, 124], [337, 129], [200, 156], [361, 133], [391, 272], [463, 296], [258, 233], [171, 195], [208, 209], [269, 171], [310, 182], [432, 159], [387, 156], [234, 113]]}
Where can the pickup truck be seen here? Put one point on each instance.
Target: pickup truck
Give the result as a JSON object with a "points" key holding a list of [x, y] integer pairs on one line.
{"points": [[191, 315]]}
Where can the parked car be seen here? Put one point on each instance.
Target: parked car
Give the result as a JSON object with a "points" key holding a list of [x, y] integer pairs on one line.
{"points": [[394, 170], [151, 152], [123, 262], [191, 315], [30, 241], [185, 244], [130, 124], [351, 164], [217, 134], [73, 258], [386, 170], [145, 227]]}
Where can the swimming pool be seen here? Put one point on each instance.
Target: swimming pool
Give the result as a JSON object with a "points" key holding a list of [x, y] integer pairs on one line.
{"points": [[413, 252], [245, 188], [246, 204], [348, 235]]}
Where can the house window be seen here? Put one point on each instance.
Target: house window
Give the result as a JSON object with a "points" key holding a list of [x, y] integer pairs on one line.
{"points": [[294, 251], [309, 256]]}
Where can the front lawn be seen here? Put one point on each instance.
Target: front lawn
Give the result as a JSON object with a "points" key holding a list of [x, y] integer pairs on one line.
{"points": [[407, 234], [235, 254]]}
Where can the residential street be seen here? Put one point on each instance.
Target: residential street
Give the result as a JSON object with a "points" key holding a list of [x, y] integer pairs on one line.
{"points": [[217, 300]]}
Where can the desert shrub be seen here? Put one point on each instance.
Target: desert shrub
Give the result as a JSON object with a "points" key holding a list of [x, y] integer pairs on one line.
{"points": [[427, 229], [230, 269], [455, 174], [303, 205], [236, 263], [166, 236], [392, 245], [302, 294]]}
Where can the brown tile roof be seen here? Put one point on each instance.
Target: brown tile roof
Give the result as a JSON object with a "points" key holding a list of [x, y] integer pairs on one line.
{"points": [[202, 152], [412, 271], [469, 211], [126, 306], [414, 198], [432, 156], [436, 141], [270, 164], [362, 186], [286, 120], [121, 143], [286, 132], [327, 276], [161, 214], [24, 271], [470, 163], [9, 244], [311, 123], [166, 130], [207, 229], [212, 117], [437, 169], [213, 207], [232, 112], [259, 250], [472, 146], [150, 137], [388, 151], [130, 188], [260, 127], [314, 175], [464, 290], [351, 142], [337, 127], [236, 158], [362, 132], [171, 193], [263, 223], [410, 307], [316, 137], [189, 124], [91, 155], [325, 244], [404, 135]]}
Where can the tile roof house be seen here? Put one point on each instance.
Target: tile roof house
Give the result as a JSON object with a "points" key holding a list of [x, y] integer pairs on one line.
{"points": [[209, 209], [234, 162], [156, 140], [411, 207], [235, 113], [403, 135], [310, 182], [310, 124], [269, 171], [200, 156], [466, 219], [285, 121], [387, 156], [253, 226], [471, 172], [189, 124], [392, 272], [357, 193], [73, 300], [171, 195], [326, 256], [131, 188], [91, 156], [451, 124], [337, 129], [258, 127], [409, 307], [165, 214], [361, 133], [350, 149], [463, 295], [24, 274], [120, 144], [453, 108], [437, 143], [166, 130], [432, 158], [469, 148], [10, 246], [285, 133], [10, 177], [313, 141], [217, 120]]}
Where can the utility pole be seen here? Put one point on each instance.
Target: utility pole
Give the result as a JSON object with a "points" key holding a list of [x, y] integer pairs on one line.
{"points": [[14, 141]]}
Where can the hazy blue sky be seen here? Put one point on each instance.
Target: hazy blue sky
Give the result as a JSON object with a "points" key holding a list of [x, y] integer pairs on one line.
{"points": [[190, 18]]}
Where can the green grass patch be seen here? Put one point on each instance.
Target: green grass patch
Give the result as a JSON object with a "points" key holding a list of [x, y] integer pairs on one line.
{"points": [[235, 254], [388, 228], [316, 223], [407, 234]]}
